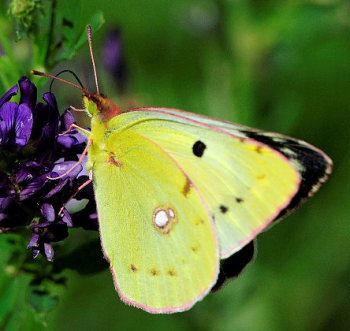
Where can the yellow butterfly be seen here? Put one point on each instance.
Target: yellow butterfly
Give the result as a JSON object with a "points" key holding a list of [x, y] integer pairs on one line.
{"points": [[178, 192]]}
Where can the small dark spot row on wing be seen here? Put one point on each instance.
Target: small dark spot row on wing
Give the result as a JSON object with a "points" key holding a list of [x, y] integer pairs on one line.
{"points": [[316, 165], [194, 249], [172, 273], [234, 265], [155, 272], [199, 221], [198, 148]]}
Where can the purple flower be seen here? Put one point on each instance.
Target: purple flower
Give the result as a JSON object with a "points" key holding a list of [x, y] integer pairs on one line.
{"points": [[32, 151], [114, 59]]}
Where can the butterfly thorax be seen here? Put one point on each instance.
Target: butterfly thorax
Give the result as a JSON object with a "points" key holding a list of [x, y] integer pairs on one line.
{"points": [[101, 110], [97, 104]]}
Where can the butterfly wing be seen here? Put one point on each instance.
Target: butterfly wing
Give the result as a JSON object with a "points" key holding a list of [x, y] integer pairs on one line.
{"points": [[248, 178], [161, 242]]}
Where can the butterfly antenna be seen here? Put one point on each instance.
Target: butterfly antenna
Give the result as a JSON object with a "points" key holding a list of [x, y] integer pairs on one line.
{"points": [[89, 35], [43, 74], [71, 72]]}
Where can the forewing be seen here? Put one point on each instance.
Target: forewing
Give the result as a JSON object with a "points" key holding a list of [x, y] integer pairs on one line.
{"points": [[160, 242], [246, 182]]}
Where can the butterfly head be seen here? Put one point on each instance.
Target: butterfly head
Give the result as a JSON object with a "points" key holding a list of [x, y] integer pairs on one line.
{"points": [[97, 104]]}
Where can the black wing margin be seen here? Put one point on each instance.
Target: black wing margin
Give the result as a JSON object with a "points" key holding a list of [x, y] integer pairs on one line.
{"points": [[313, 165]]}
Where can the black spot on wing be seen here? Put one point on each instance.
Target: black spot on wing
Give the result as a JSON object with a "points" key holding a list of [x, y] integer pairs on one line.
{"points": [[315, 165], [198, 148], [234, 265], [239, 200], [223, 209]]}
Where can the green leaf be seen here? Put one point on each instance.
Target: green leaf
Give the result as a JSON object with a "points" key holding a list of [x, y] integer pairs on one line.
{"points": [[70, 17], [96, 21], [15, 313], [41, 299]]}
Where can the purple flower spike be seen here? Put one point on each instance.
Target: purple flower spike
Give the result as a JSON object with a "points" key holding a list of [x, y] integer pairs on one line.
{"points": [[114, 59], [32, 150]]}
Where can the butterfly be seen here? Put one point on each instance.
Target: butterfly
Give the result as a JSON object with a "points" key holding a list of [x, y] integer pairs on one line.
{"points": [[181, 197]]}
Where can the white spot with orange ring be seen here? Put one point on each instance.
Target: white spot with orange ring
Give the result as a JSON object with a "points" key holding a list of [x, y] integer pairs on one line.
{"points": [[161, 218], [164, 219]]}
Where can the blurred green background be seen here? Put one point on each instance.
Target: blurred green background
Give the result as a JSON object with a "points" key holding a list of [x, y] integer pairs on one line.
{"points": [[278, 65]]}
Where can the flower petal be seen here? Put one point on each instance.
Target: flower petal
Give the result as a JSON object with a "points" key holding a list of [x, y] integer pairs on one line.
{"points": [[49, 252], [48, 212], [34, 241], [5, 202], [29, 170], [67, 119], [24, 124], [33, 187], [35, 253], [8, 114], [51, 100], [9, 94], [66, 218], [28, 92], [61, 183], [62, 167], [66, 141]]}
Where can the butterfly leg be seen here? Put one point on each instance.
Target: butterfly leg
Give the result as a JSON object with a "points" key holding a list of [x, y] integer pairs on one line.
{"points": [[80, 161], [77, 109], [74, 126]]}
